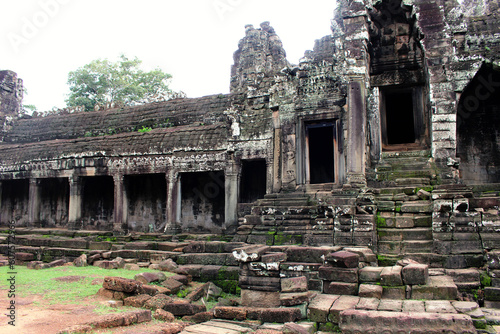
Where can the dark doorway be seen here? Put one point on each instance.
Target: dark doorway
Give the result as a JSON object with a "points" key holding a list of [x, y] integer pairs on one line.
{"points": [[14, 201], [98, 202], [399, 117], [202, 202], [253, 180], [478, 127], [54, 202], [147, 202], [321, 148]]}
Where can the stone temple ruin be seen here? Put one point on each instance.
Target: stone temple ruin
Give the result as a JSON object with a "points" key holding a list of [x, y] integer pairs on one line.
{"points": [[385, 136]]}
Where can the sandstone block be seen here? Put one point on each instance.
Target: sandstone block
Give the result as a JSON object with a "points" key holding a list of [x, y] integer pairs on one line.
{"points": [[339, 288], [184, 308], [295, 298], [368, 303], [341, 304], [294, 284], [230, 313], [136, 301], [391, 276], [131, 266], [173, 285], [415, 274], [370, 274], [492, 294], [157, 302], [199, 317], [359, 321], [121, 284], [370, 291], [319, 307], [346, 275], [257, 298], [342, 259], [148, 277], [163, 315], [168, 265]]}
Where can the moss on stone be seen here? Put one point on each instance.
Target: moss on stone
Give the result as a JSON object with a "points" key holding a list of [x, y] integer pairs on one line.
{"points": [[485, 279]]}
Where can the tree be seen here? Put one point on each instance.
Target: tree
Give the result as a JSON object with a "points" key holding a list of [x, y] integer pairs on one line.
{"points": [[104, 82]]}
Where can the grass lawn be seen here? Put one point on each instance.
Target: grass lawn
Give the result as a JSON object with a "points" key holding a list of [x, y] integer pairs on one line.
{"points": [[44, 283]]}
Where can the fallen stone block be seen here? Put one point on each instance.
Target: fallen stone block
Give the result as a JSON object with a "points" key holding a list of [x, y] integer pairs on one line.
{"points": [[106, 264], [293, 328], [391, 276], [168, 265], [173, 285], [57, 263], [199, 317], [342, 259], [105, 293], [148, 277], [365, 254], [257, 298], [121, 319], [370, 274], [163, 315], [229, 312], [415, 274], [153, 290], [295, 298], [157, 302], [492, 294], [24, 257], [370, 291], [368, 303], [131, 266], [121, 284], [319, 307], [359, 321], [294, 284], [437, 288], [346, 275], [81, 261], [136, 301], [280, 315], [341, 304], [184, 308], [413, 306], [340, 288], [394, 292], [250, 253], [33, 264]]}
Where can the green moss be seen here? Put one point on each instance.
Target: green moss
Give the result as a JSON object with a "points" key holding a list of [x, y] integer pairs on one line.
{"points": [[427, 188], [329, 327], [228, 286], [381, 222], [397, 208], [485, 279], [479, 324]]}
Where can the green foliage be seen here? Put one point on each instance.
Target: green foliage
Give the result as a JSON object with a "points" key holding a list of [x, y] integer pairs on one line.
{"points": [[485, 279], [144, 129], [182, 293], [381, 221], [123, 82]]}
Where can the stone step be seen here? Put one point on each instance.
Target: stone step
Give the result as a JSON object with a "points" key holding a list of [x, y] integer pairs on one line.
{"points": [[404, 247], [400, 234], [361, 321]]}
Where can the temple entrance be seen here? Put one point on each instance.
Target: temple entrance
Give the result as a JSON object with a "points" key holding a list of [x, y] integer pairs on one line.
{"points": [[253, 180], [97, 202], [402, 118], [320, 139]]}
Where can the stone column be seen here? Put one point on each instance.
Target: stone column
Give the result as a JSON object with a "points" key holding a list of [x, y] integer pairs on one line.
{"points": [[231, 189], [173, 203], [356, 133], [120, 209], [75, 202], [276, 167], [34, 202]]}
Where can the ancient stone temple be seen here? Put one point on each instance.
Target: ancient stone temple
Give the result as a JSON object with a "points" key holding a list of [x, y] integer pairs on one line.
{"points": [[386, 135]]}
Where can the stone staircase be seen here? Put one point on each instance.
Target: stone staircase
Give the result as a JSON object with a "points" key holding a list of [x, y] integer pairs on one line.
{"points": [[412, 168]]}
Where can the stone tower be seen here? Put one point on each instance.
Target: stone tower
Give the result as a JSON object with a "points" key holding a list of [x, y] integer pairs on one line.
{"points": [[11, 94], [259, 57]]}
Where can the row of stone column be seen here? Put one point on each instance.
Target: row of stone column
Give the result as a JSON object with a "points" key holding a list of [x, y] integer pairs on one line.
{"points": [[173, 215]]}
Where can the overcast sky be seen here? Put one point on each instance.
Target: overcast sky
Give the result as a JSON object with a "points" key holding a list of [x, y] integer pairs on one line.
{"points": [[194, 40]]}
